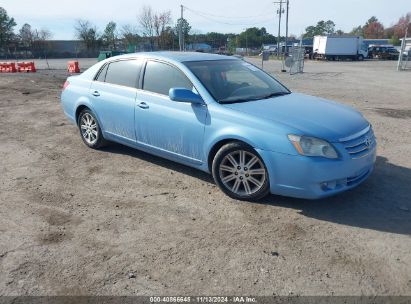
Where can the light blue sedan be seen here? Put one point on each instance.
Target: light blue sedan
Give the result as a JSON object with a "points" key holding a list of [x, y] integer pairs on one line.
{"points": [[224, 116]]}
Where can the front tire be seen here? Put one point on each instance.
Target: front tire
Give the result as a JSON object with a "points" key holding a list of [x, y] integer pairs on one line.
{"points": [[240, 172], [90, 130]]}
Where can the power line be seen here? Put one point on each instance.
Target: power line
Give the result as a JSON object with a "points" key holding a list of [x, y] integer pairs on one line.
{"points": [[226, 23], [227, 17]]}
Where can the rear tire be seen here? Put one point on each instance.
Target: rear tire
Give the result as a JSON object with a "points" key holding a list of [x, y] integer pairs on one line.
{"points": [[240, 172], [90, 130]]}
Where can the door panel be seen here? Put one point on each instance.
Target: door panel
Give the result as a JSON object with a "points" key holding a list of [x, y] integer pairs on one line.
{"points": [[114, 106], [175, 127], [114, 95]]}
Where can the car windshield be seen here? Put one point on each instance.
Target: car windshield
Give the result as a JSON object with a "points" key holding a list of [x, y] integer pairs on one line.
{"points": [[230, 81]]}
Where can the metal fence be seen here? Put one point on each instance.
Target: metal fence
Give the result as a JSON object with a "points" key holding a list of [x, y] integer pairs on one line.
{"points": [[296, 60], [405, 54]]}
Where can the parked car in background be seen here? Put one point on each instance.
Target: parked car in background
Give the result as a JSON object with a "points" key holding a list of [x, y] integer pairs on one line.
{"points": [[308, 52], [406, 55], [224, 116], [383, 52]]}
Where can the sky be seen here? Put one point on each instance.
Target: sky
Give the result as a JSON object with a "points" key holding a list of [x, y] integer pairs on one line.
{"points": [[229, 16]]}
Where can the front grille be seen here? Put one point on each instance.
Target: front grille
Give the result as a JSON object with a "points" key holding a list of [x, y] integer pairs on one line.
{"points": [[360, 146]]}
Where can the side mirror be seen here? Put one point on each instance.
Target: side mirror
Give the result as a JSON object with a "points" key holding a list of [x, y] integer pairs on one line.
{"points": [[184, 95]]}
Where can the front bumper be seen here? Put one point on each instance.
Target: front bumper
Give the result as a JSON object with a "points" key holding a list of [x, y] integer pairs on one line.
{"points": [[315, 177]]}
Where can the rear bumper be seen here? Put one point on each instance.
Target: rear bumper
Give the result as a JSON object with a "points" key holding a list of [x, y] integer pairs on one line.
{"points": [[315, 177]]}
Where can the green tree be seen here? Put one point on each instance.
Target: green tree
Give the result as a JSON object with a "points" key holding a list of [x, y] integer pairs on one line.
{"points": [[371, 20], [186, 28], [26, 36], [321, 28], [357, 31], [254, 37], [168, 38], [232, 43], [110, 35], [7, 25], [394, 40]]}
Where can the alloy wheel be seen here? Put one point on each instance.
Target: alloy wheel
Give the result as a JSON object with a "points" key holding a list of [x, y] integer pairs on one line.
{"points": [[88, 127], [242, 172]]}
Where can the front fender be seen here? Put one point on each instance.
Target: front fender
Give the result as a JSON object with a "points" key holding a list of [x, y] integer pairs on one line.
{"points": [[256, 139]]}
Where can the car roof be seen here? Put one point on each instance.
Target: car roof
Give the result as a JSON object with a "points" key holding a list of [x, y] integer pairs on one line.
{"points": [[178, 56]]}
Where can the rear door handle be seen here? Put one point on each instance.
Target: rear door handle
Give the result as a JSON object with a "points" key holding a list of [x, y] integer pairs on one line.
{"points": [[96, 93], [143, 105]]}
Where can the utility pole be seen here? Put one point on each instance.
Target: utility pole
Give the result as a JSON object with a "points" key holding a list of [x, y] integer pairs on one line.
{"points": [[279, 12], [246, 42], [286, 27], [403, 44], [180, 30]]}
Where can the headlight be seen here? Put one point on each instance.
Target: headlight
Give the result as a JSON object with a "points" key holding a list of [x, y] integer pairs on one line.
{"points": [[311, 146]]}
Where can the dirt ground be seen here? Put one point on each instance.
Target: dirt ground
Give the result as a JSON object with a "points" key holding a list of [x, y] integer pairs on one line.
{"points": [[74, 221]]}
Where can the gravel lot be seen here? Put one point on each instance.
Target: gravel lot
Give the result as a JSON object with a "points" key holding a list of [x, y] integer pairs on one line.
{"points": [[121, 222]]}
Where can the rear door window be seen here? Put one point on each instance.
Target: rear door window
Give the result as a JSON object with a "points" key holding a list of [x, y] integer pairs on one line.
{"points": [[125, 73], [160, 78]]}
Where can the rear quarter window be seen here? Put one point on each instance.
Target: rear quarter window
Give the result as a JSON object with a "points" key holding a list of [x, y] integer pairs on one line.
{"points": [[101, 76], [124, 73]]}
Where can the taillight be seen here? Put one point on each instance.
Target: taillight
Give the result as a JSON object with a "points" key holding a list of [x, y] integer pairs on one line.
{"points": [[65, 85]]}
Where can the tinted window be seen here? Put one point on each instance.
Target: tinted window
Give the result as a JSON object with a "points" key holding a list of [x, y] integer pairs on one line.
{"points": [[102, 76], [125, 72], [160, 78]]}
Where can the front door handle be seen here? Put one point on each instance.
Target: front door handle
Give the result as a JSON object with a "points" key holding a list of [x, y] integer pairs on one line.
{"points": [[96, 93], [143, 105]]}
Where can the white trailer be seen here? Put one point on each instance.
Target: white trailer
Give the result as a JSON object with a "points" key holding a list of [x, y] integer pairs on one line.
{"points": [[339, 47]]}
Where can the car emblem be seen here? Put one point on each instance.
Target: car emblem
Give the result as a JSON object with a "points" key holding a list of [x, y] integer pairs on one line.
{"points": [[367, 143]]}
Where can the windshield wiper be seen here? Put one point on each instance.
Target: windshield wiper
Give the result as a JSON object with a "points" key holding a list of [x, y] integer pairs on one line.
{"points": [[229, 100], [274, 95], [236, 100]]}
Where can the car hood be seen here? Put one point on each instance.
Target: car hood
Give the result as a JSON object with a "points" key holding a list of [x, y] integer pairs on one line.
{"points": [[311, 115]]}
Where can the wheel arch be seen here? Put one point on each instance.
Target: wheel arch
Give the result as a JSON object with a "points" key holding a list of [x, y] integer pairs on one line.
{"points": [[86, 104], [79, 109], [220, 143]]}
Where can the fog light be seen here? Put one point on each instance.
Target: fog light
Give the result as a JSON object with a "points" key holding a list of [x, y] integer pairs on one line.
{"points": [[331, 185]]}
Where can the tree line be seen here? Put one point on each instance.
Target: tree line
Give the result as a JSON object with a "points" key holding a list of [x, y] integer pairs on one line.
{"points": [[372, 29], [152, 31], [157, 31], [27, 39]]}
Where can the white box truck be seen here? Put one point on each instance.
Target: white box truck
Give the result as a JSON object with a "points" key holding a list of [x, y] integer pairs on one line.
{"points": [[339, 48]]}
